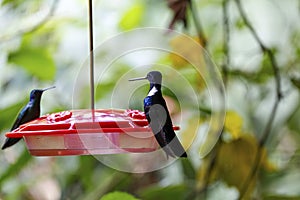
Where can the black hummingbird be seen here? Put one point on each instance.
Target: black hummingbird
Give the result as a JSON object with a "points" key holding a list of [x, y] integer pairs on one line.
{"points": [[158, 117], [30, 112]]}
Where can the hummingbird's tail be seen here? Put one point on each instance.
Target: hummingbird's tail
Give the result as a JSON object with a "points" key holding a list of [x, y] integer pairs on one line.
{"points": [[177, 148], [9, 142], [172, 148]]}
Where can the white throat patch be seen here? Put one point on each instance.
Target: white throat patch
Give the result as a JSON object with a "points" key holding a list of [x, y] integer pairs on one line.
{"points": [[152, 91]]}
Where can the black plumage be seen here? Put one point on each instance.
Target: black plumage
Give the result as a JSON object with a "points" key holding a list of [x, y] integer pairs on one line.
{"points": [[159, 118], [30, 112]]}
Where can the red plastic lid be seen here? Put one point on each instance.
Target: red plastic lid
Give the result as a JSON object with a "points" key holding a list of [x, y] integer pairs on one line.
{"points": [[85, 121]]}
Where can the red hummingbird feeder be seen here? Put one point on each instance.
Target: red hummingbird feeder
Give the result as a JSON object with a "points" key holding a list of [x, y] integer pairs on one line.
{"points": [[83, 132]]}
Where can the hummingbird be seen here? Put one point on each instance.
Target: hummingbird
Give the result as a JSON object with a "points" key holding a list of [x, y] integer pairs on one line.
{"points": [[30, 112], [158, 117]]}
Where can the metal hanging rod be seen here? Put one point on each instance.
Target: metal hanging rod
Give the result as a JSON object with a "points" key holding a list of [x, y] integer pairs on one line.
{"points": [[91, 39]]}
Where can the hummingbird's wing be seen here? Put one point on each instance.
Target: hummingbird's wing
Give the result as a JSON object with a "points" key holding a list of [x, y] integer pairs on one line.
{"points": [[11, 141], [172, 140], [21, 119], [157, 119]]}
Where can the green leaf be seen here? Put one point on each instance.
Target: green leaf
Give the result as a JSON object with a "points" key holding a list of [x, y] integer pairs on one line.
{"points": [[240, 24], [9, 114], [117, 196], [234, 161], [293, 122], [173, 192], [296, 82], [188, 169], [233, 124], [13, 3], [132, 17], [265, 72], [35, 60]]}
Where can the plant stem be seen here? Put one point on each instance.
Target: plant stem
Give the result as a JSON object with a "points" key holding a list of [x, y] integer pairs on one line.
{"points": [[198, 26], [226, 35]]}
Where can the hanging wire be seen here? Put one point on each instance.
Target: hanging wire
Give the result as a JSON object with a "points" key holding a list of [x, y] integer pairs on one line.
{"points": [[91, 54]]}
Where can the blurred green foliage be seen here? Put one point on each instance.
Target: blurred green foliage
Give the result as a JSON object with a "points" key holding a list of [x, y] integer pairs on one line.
{"points": [[118, 195], [132, 17], [52, 53]]}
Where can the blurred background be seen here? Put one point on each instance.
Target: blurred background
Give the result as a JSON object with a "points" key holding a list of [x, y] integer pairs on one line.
{"points": [[255, 47]]}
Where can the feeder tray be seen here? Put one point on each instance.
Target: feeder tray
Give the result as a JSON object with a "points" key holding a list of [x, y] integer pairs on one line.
{"points": [[86, 132]]}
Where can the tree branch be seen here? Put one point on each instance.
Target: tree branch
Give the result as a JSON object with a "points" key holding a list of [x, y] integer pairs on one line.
{"points": [[268, 128], [226, 36], [263, 48], [198, 25]]}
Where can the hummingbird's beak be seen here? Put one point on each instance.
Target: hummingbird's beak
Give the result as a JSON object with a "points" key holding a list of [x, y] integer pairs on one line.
{"points": [[48, 88], [137, 79]]}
